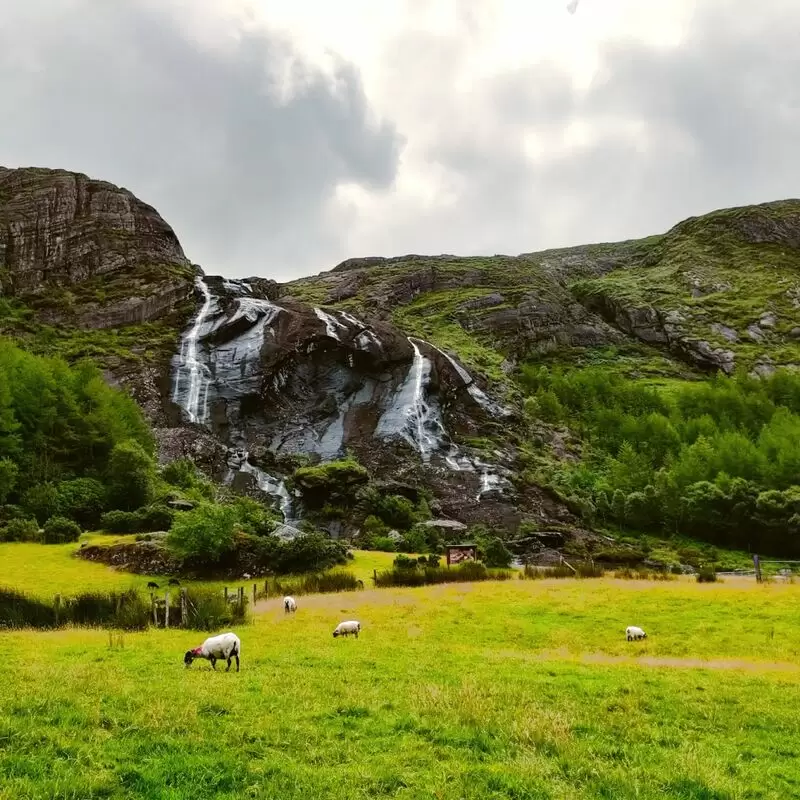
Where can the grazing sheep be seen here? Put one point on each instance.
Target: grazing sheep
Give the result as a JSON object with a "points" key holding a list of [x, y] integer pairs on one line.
{"points": [[347, 628], [632, 633], [289, 605], [152, 585], [174, 582], [226, 645], [246, 576]]}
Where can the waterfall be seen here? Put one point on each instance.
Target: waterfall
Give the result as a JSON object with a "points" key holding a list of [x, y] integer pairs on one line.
{"points": [[192, 377], [410, 415], [332, 325], [266, 483], [480, 397]]}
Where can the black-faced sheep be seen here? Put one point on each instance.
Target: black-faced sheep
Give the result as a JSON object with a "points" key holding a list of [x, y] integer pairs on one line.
{"points": [[225, 646]]}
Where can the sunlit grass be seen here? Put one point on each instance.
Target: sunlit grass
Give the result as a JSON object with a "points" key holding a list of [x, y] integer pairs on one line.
{"points": [[47, 570], [459, 691]]}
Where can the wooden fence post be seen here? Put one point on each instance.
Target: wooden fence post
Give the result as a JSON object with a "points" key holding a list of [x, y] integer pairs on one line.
{"points": [[241, 596], [57, 607], [155, 608], [184, 611], [166, 610], [226, 594], [266, 588], [375, 576], [757, 565], [255, 592]]}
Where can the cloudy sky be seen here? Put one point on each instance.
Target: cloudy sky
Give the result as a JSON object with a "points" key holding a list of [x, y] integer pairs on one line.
{"points": [[280, 136]]}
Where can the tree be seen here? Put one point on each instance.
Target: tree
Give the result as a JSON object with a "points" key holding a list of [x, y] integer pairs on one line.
{"points": [[205, 533], [496, 554], [131, 476], [82, 499], [8, 478]]}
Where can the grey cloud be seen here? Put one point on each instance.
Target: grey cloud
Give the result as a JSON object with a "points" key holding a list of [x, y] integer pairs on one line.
{"points": [[718, 124], [122, 92]]}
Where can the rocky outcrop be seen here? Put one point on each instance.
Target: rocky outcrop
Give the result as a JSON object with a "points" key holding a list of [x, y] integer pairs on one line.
{"points": [[61, 228]]}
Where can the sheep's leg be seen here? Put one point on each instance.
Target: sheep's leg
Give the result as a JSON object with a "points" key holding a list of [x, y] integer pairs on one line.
{"points": [[355, 633], [213, 662], [237, 661], [229, 664]]}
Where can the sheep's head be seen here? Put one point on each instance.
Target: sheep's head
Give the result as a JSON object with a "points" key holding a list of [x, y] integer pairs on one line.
{"points": [[335, 634], [190, 656]]}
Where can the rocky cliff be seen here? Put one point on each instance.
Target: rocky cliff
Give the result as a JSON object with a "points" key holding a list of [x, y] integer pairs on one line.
{"points": [[408, 363]]}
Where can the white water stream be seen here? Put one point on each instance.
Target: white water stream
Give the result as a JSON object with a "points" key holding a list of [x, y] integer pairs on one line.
{"points": [[192, 377]]}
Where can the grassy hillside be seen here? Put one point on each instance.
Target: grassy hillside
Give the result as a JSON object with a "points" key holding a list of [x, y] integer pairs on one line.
{"points": [[437, 698]]}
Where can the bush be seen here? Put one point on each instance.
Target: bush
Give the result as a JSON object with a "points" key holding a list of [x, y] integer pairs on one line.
{"points": [[208, 610], [404, 562], [143, 520], [82, 500], [563, 571], [310, 552], [60, 530], [706, 575], [467, 571], [8, 478], [131, 476], [496, 554], [321, 583], [182, 473], [384, 544], [336, 482], [41, 501], [21, 530], [205, 533]]}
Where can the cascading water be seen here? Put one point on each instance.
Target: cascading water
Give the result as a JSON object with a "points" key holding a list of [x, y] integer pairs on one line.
{"points": [[332, 325], [239, 461], [410, 415], [192, 377], [480, 397]]}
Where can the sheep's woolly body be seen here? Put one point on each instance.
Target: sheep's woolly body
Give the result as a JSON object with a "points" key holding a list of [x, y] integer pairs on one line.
{"points": [[225, 646], [632, 632], [346, 628], [289, 604]]}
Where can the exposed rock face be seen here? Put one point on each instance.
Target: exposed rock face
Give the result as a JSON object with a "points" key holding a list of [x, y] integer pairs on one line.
{"points": [[110, 257], [61, 228]]}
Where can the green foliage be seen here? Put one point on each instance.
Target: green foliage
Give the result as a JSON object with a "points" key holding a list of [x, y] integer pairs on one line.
{"points": [[183, 474], [384, 544], [204, 534], [706, 575], [41, 501], [143, 520], [495, 554], [82, 500], [20, 530], [717, 460], [311, 552], [131, 476], [335, 483], [60, 530], [419, 575], [8, 477]]}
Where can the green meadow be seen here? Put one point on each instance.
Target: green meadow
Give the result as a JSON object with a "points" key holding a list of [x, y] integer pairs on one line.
{"points": [[521, 689]]}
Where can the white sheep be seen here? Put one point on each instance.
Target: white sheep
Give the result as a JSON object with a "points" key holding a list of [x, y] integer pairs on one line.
{"points": [[346, 628], [224, 646], [632, 633], [289, 604]]}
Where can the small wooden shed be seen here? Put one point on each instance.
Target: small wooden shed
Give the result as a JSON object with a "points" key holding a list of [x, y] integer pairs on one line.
{"points": [[456, 553]]}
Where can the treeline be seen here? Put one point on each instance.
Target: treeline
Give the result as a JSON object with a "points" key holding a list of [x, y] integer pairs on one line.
{"points": [[718, 460], [71, 448]]}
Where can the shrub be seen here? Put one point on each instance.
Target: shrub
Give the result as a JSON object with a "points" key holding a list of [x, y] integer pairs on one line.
{"points": [[384, 544], [496, 554], [308, 553], [17, 610], [563, 571], [8, 478], [404, 562], [336, 482], [706, 575], [41, 501], [208, 610], [467, 571], [395, 511], [205, 533], [131, 476], [21, 530], [83, 500], [127, 610], [143, 520], [60, 530], [181, 473]]}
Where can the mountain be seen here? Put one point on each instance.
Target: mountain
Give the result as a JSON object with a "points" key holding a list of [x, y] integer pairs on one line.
{"points": [[414, 364]]}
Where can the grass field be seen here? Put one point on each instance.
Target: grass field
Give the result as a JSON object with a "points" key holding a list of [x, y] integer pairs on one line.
{"points": [[46, 570], [525, 689]]}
